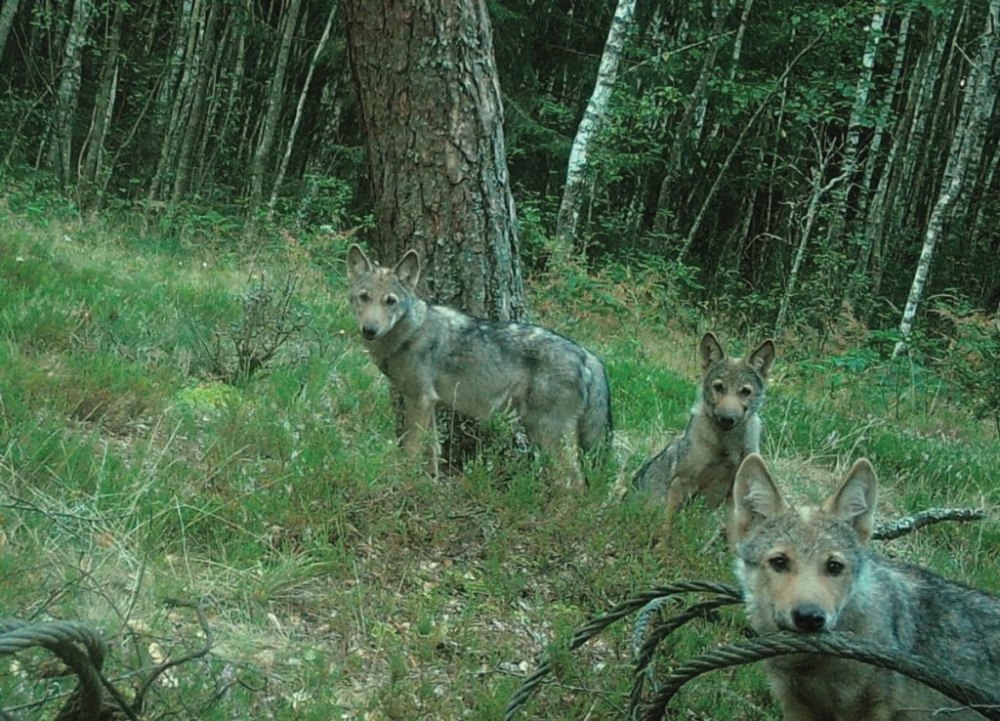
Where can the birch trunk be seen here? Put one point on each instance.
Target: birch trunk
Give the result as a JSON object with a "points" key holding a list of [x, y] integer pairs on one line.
{"points": [[283, 168], [850, 160], [569, 209], [7, 13], [275, 94], [201, 71], [61, 147], [970, 132], [872, 201], [104, 104]]}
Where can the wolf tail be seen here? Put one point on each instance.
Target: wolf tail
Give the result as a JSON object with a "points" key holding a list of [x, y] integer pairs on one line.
{"points": [[654, 475]]}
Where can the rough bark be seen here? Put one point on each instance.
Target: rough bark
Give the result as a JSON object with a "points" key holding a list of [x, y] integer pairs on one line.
{"points": [[430, 102]]}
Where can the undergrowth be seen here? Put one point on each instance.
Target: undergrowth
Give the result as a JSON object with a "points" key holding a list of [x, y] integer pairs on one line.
{"points": [[140, 463]]}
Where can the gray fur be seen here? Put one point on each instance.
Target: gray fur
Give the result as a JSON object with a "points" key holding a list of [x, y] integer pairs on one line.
{"points": [[724, 427], [435, 355], [897, 605]]}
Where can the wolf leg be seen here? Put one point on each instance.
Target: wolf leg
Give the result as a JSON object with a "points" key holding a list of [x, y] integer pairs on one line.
{"points": [[420, 430]]}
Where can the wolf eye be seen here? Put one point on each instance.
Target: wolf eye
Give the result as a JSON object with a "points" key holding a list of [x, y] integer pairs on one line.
{"points": [[364, 297], [746, 391], [719, 387], [779, 563], [391, 300], [834, 567]]}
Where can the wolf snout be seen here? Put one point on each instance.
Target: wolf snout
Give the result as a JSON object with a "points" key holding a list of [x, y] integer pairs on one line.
{"points": [[726, 423], [369, 332], [809, 618]]}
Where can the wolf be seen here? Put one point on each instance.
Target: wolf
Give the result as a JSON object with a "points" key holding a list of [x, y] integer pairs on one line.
{"points": [[435, 355], [810, 570], [723, 428]]}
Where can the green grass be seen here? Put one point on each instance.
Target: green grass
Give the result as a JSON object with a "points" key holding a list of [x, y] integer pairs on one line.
{"points": [[339, 581]]}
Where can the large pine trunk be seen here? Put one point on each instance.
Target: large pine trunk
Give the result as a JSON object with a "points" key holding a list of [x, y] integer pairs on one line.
{"points": [[430, 103]]}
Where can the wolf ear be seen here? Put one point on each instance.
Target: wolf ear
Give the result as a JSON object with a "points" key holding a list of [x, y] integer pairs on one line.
{"points": [[762, 358], [408, 269], [357, 261], [755, 497], [711, 351], [854, 501]]}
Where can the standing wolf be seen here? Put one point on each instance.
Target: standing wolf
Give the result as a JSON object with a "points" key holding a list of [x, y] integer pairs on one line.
{"points": [[724, 427], [809, 570], [435, 355]]}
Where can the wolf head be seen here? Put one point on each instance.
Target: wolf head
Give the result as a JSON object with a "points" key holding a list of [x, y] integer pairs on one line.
{"points": [[380, 296], [800, 566], [733, 389]]}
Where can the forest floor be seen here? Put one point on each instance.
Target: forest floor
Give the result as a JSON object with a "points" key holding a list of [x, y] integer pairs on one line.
{"points": [[142, 476]]}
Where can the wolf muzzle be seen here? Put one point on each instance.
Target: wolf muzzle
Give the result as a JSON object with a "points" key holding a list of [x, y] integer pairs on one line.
{"points": [[808, 618]]}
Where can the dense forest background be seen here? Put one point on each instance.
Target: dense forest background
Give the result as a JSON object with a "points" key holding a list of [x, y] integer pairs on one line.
{"points": [[796, 162]]}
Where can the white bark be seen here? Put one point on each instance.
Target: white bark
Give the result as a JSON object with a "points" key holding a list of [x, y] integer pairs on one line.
{"points": [[283, 168], [569, 208], [974, 122], [861, 93], [872, 201], [274, 97], [8, 8], [61, 150]]}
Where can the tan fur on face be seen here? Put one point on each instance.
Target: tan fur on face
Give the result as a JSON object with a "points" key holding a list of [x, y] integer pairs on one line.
{"points": [[809, 570], [724, 427]]}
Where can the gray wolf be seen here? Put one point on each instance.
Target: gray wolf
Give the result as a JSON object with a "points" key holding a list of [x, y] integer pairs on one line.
{"points": [[434, 355], [723, 428], [810, 570]]}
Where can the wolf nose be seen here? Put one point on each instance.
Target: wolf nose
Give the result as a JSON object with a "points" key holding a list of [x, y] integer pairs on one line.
{"points": [[726, 423], [809, 618], [368, 332]]}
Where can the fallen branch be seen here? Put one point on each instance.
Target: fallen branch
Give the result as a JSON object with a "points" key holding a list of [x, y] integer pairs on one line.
{"points": [[908, 524]]}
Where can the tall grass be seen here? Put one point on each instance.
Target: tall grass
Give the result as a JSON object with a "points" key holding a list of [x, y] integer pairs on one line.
{"points": [[341, 582]]}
